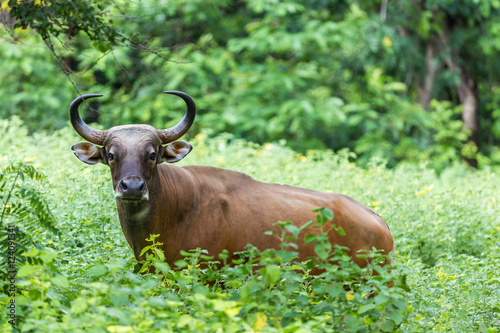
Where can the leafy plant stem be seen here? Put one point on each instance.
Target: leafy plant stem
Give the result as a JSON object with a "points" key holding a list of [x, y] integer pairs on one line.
{"points": [[9, 195]]}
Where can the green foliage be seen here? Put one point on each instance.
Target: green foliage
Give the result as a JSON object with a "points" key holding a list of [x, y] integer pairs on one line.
{"points": [[451, 43], [445, 227], [31, 87], [438, 301], [317, 74], [55, 18], [266, 292], [24, 212]]}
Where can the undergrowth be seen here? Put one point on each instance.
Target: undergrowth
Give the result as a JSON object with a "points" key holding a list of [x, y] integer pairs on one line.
{"points": [[79, 274]]}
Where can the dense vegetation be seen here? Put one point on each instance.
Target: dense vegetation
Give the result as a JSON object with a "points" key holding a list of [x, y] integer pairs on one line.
{"points": [[411, 80], [82, 275]]}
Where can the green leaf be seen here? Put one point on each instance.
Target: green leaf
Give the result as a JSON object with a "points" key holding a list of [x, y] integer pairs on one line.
{"points": [[305, 225], [123, 316], [382, 298], [102, 47], [181, 264], [396, 316], [387, 326], [340, 231], [162, 266], [157, 302], [60, 281], [98, 270], [336, 291], [35, 294], [159, 254], [366, 308], [328, 213], [48, 256], [462, 313], [400, 304], [145, 249], [310, 238], [79, 305], [323, 249], [321, 219], [119, 298], [119, 329], [293, 229], [271, 273], [25, 271]]}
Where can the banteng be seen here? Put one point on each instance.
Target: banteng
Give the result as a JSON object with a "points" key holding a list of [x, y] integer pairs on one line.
{"points": [[207, 207]]}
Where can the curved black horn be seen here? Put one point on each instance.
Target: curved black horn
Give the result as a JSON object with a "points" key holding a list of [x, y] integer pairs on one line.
{"points": [[174, 133], [88, 133]]}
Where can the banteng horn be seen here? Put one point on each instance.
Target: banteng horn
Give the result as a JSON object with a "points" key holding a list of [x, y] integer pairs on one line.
{"points": [[174, 133], [88, 133]]}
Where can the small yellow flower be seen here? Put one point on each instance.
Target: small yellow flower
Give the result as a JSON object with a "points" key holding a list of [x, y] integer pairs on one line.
{"points": [[425, 190], [260, 322], [301, 157], [267, 146], [387, 41], [418, 317], [200, 136]]}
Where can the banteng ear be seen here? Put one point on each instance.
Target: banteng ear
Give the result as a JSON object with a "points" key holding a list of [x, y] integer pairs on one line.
{"points": [[88, 153], [175, 151]]}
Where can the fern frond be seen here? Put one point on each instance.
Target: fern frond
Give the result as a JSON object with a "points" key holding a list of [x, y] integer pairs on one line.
{"points": [[22, 243], [22, 202], [40, 209]]}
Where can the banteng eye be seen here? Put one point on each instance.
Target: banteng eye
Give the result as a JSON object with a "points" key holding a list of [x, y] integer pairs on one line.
{"points": [[152, 156], [111, 156]]}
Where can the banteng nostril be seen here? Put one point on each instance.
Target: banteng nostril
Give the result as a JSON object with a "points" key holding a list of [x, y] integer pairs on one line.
{"points": [[143, 187], [123, 186]]}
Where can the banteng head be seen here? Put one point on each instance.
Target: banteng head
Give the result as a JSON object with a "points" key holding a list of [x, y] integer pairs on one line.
{"points": [[132, 151]]}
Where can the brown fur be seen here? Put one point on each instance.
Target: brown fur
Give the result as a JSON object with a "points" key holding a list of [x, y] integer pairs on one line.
{"points": [[216, 209]]}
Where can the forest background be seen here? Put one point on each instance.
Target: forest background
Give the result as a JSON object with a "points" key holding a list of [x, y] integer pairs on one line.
{"points": [[409, 81]]}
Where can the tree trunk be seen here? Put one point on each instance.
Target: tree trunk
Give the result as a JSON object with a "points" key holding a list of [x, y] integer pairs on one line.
{"points": [[431, 71], [7, 20], [468, 97], [467, 94]]}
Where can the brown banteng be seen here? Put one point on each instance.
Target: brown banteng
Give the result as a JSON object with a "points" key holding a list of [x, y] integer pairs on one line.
{"points": [[207, 207]]}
